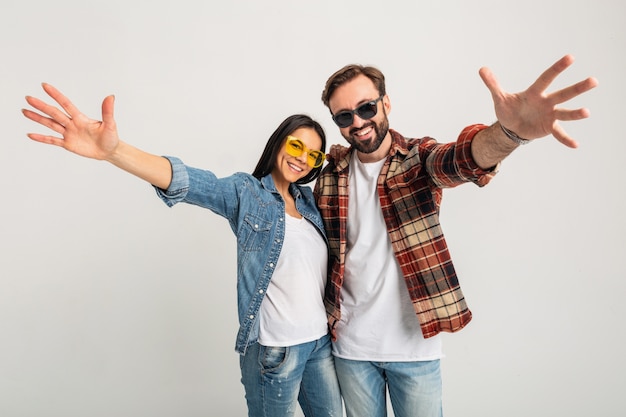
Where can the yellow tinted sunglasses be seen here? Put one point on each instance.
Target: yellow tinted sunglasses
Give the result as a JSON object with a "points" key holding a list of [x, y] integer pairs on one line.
{"points": [[295, 147]]}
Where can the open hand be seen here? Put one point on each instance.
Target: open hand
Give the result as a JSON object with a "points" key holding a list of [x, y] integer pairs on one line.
{"points": [[79, 134], [533, 113]]}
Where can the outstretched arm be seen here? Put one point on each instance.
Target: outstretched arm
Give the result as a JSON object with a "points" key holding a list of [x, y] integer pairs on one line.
{"points": [[93, 138], [531, 114]]}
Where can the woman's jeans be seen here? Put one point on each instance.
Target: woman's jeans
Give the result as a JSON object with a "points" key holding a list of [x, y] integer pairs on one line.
{"points": [[277, 378], [414, 388]]}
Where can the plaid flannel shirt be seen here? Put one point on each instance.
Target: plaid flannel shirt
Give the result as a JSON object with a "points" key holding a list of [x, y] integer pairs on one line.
{"points": [[410, 190]]}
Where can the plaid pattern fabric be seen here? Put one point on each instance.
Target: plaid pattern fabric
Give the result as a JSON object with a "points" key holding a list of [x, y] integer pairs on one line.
{"points": [[410, 191]]}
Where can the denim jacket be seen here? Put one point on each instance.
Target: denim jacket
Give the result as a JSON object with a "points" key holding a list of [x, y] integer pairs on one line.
{"points": [[256, 213]]}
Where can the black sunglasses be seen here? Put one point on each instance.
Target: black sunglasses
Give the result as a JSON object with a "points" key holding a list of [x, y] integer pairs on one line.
{"points": [[365, 111]]}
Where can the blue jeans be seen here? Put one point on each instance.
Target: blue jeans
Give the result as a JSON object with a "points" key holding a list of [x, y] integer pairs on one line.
{"points": [[277, 378], [414, 388]]}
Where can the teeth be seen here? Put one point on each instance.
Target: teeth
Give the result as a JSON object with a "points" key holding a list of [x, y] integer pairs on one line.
{"points": [[295, 167], [364, 132]]}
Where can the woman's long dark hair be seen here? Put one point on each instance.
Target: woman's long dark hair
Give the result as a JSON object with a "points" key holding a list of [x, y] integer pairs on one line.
{"points": [[277, 140]]}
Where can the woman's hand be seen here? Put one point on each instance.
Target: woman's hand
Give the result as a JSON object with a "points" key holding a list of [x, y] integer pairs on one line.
{"points": [[94, 138], [79, 134]]}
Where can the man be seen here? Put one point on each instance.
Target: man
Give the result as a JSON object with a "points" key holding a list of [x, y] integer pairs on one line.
{"points": [[393, 287]]}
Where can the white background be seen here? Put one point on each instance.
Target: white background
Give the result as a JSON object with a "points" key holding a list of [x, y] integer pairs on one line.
{"points": [[111, 304]]}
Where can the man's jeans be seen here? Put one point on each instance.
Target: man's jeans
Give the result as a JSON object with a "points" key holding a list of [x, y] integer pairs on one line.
{"points": [[414, 388], [277, 378]]}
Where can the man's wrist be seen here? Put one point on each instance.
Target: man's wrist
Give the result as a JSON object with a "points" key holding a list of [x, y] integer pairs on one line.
{"points": [[513, 136]]}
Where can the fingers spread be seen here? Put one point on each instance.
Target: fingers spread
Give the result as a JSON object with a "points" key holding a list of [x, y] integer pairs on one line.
{"points": [[549, 75], [56, 114], [572, 91], [42, 120], [568, 115], [561, 136], [63, 101], [50, 140], [490, 81], [107, 109]]}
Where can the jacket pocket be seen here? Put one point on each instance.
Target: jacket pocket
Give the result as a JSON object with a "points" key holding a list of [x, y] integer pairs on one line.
{"points": [[254, 233]]}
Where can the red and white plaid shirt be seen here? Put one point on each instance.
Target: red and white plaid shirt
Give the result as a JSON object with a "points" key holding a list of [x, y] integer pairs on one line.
{"points": [[410, 189]]}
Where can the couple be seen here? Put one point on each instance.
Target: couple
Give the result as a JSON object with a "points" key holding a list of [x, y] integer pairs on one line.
{"points": [[385, 300]]}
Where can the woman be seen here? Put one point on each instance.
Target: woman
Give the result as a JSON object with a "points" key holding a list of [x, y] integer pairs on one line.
{"points": [[281, 247]]}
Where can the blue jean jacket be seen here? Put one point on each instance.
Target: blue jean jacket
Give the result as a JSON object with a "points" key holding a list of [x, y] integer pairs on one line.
{"points": [[256, 213]]}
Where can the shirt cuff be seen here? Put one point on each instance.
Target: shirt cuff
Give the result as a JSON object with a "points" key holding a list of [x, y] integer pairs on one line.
{"points": [[464, 150], [179, 186]]}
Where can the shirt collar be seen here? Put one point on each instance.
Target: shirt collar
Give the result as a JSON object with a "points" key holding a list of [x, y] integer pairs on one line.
{"points": [[267, 182]]}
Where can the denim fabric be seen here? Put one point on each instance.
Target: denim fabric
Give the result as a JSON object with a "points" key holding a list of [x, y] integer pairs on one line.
{"points": [[256, 213], [277, 378], [414, 388]]}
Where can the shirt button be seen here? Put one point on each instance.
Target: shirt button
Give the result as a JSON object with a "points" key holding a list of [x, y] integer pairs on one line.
{"points": [[251, 317], [272, 265], [260, 291], [256, 226]]}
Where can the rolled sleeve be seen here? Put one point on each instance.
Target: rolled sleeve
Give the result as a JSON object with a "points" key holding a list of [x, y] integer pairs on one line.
{"points": [[179, 186], [467, 165]]}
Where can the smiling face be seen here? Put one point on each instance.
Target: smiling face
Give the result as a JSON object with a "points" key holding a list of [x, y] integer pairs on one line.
{"points": [[370, 137], [289, 168]]}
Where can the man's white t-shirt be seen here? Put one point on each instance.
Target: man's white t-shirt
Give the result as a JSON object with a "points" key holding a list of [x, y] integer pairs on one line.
{"points": [[378, 322]]}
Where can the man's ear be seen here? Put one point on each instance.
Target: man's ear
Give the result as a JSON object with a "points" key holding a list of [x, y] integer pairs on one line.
{"points": [[387, 103]]}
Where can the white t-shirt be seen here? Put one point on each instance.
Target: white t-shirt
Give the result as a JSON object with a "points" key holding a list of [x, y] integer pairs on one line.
{"points": [[292, 311], [378, 322]]}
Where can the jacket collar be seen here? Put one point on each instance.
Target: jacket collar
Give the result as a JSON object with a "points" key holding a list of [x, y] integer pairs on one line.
{"points": [[267, 182]]}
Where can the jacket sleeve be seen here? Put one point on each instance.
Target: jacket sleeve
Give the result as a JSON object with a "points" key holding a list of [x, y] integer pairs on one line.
{"points": [[202, 188]]}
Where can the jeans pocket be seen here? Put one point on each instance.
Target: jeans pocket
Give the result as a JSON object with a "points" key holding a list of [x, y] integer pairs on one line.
{"points": [[271, 358]]}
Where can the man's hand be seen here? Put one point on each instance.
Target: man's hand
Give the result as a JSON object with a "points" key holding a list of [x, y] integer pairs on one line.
{"points": [[533, 113]]}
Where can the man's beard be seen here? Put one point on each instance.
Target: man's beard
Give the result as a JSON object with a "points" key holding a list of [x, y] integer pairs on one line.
{"points": [[373, 144]]}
